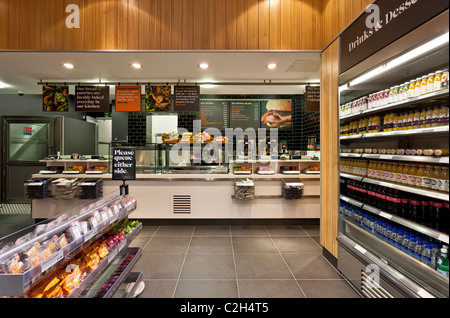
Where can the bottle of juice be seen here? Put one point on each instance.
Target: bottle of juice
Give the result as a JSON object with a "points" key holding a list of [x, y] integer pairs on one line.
{"points": [[370, 169], [370, 125], [391, 121], [378, 170], [417, 86], [386, 122], [423, 118], [365, 167], [443, 110], [412, 176], [405, 175], [437, 81], [416, 119], [435, 117], [429, 117], [398, 175], [419, 176], [405, 90], [389, 172], [430, 82], [410, 120], [395, 122], [376, 123], [427, 177], [384, 173], [365, 125], [405, 121], [436, 182], [445, 180], [423, 85], [412, 86]]}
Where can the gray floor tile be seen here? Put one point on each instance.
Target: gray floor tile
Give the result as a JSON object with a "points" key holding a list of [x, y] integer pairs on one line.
{"points": [[312, 230], [261, 266], [269, 288], [210, 245], [285, 230], [248, 230], [167, 245], [208, 266], [310, 266], [212, 231], [176, 230], [206, 289], [139, 242], [253, 245], [158, 288], [159, 266], [337, 288], [296, 245], [148, 231]]}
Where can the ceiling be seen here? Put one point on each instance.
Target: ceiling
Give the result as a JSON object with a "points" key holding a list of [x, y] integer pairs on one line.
{"points": [[21, 71]]}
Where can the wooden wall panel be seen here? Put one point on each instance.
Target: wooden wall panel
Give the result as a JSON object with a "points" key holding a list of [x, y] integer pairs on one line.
{"points": [[176, 24], [329, 134]]}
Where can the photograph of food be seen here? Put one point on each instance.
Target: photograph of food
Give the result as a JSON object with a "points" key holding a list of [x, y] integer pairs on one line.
{"points": [[55, 98], [157, 98], [278, 114]]}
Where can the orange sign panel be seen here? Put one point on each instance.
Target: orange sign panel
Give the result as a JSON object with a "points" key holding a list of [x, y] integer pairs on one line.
{"points": [[128, 98]]}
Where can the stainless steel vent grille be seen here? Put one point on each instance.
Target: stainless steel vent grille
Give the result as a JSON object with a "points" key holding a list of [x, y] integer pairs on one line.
{"points": [[372, 289], [182, 204]]}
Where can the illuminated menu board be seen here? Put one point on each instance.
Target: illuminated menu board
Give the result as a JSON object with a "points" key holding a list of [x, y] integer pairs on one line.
{"points": [[245, 114], [214, 114]]}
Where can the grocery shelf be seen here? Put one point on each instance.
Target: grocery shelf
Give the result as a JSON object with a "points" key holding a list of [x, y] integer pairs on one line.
{"points": [[410, 101], [409, 224], [420, 159], [395, 133], [419, 191]]}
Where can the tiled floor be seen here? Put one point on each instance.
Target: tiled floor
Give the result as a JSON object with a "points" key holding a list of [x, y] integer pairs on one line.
{"points": [[237, 262]]}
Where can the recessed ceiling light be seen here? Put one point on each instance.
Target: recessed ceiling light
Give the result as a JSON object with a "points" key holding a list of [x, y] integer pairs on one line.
{"points": [[68, 66], [136, 65], [203, 66], [3, 85], [272, 66]]}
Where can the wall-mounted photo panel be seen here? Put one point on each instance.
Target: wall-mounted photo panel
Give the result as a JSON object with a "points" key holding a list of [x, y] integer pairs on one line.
{"points": [[55, 98], [157, 98]]}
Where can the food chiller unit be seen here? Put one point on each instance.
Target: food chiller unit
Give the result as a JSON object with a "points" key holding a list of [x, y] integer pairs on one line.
{"points": [[112, 277], [376, 268]]}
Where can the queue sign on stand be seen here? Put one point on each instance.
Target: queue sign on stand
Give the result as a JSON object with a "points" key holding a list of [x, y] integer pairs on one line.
{"points": [[124, 166]]}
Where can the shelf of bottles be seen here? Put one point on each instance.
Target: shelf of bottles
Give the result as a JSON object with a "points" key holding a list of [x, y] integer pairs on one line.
{"points": [[394, 157]]}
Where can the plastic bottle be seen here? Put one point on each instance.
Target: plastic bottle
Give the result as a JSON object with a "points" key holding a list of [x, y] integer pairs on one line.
{"points": [[395, 123], [405, 175], [419, 175], [425, 214], [416, 119], [429, 117], [410, 120], [386, 122], [423, 118], [437, 81], [427, 177], [423, 85], [376, 123], [442, 264], [399, 173], [430, 82], [394, 234], [417, 83], [383, 230], [384, 171], [412, 86], [412, 246], [437, 211], [405, 121], [435, 253], [435, 116], [436, 182], [388, 234], [445, 179], [399, 239], [412, 176], [418, 250], [405, 209], [427, 255], [405, 243]]}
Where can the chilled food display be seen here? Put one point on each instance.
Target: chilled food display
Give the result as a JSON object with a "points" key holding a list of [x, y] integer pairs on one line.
{"points": [[242, 170], [426, 176], [397, 151], [428, 83], [97, 168], [417, 245]]}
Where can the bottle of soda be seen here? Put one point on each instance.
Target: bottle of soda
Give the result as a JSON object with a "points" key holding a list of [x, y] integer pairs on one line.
{"points": [[442, 264], [415, 210], [363, 192], [405, 206], [437, 210], [383, 199], [396, 202], [425, 213], [371, 196], [388, 205]]}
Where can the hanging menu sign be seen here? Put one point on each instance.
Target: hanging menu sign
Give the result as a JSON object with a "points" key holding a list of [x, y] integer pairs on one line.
{"points": [[214, 114], [245, 114], [128, 98], [384, 22], [124, 164], [187, 98], [312, 97], [92, 99]]}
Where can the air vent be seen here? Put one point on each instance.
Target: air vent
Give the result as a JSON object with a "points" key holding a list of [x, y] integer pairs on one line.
{"points": [[182, 204], [372, 289]]}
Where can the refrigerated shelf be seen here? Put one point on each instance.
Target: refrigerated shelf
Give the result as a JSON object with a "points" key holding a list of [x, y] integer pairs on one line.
{"points": [[419, 159], [406, 132], [424, 192], [442, 237]]}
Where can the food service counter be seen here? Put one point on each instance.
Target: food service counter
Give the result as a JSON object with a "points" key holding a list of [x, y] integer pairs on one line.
{"points": [[201, 196]]}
